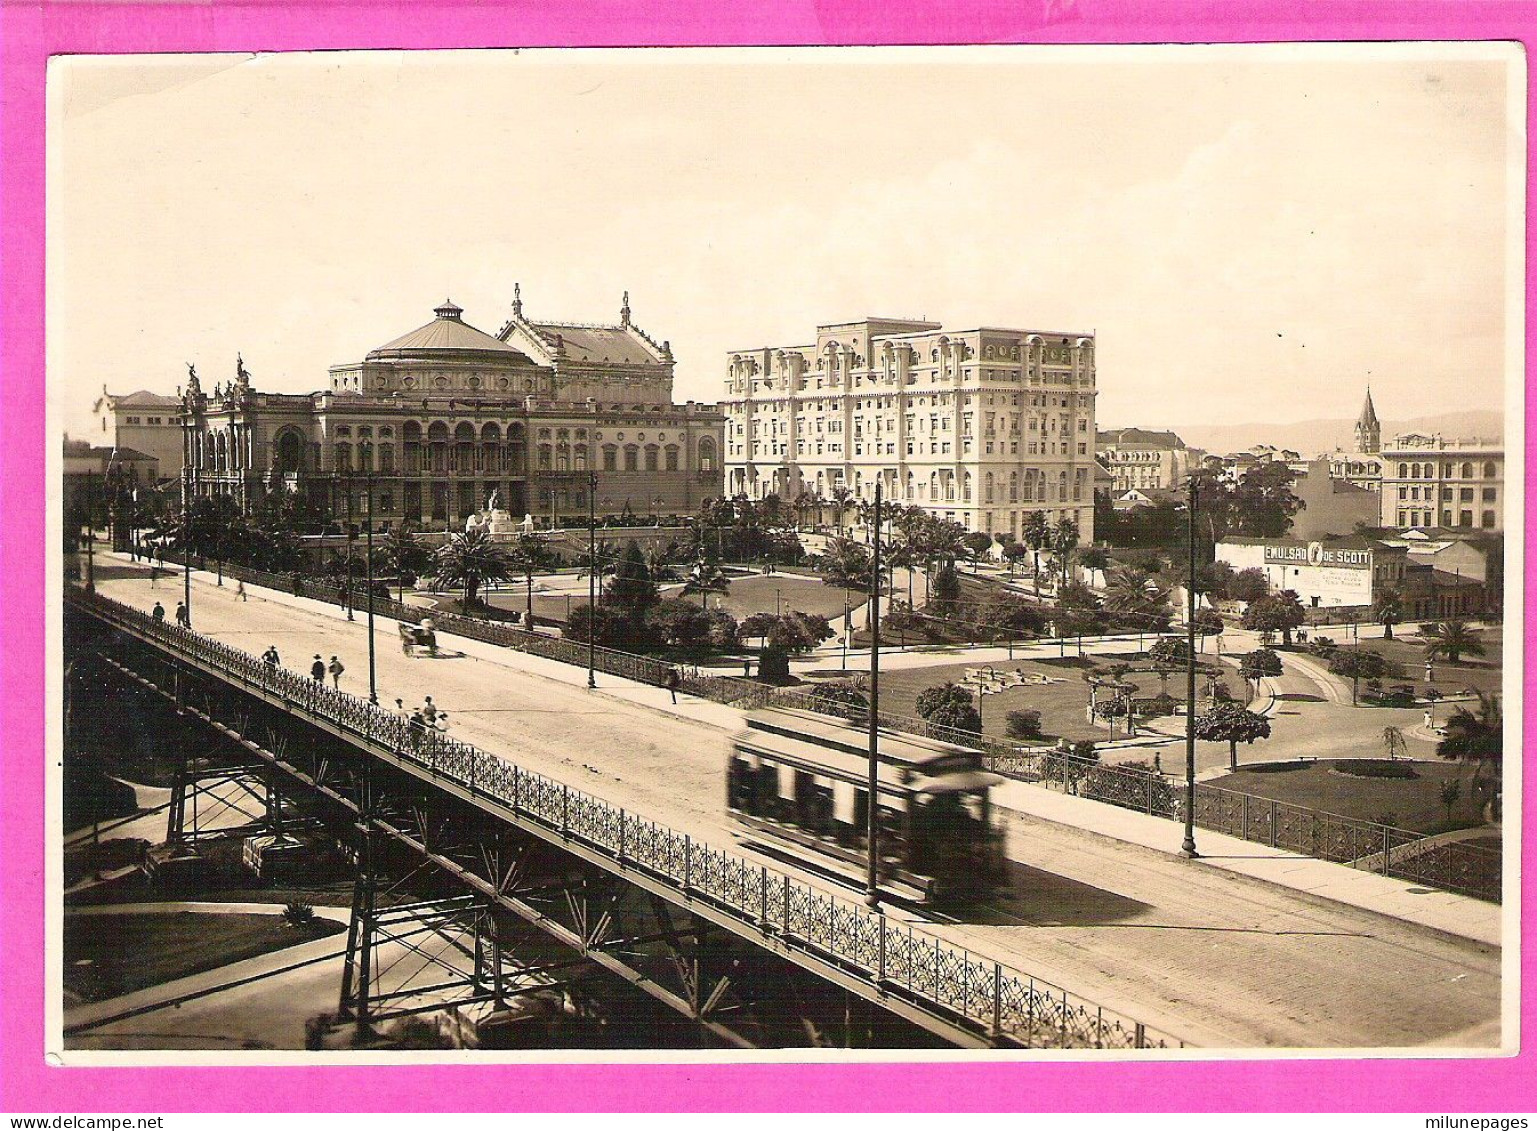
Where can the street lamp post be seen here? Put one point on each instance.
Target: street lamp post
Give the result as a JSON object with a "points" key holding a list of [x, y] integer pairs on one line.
{"points": [[90, 532], [186, 546], [1188, 846], [592, 578], [872, 808], [368, 534]]}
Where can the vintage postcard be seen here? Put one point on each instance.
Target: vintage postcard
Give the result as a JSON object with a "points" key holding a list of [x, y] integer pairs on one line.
{"points": [[785, 554]]}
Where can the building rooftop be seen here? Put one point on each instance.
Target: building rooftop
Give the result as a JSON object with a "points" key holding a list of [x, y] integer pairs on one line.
{"points": [[1139, 438], [447, 332], [580, 342]]}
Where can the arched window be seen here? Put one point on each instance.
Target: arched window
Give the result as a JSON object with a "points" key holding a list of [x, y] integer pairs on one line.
{"points": [[987, 489], [1467, 471], [580, 456], [707, 455], [544, 457], [631, 458], [1013, 486], [342, 454], [610, 458], [365, 455], [1489, 470], [653, 454], [563, 457], [1403, 471], [671, 461], [386, 457]]}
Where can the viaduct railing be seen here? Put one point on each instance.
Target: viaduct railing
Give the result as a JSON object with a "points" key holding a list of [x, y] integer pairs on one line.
{"points": [[1457, 866], [978, 994]]}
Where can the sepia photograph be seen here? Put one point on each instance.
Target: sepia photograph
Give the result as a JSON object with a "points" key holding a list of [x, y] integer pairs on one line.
{"points": [[907, 554]]}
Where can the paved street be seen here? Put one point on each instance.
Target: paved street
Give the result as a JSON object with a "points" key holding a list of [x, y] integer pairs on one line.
{"points": [[1221, 957]]}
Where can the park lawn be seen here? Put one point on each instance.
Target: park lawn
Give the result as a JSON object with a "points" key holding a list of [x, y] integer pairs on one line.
{"points": [[1061, 704], [1414, 803], [748, 595], [1408, 648], [131, 952]]}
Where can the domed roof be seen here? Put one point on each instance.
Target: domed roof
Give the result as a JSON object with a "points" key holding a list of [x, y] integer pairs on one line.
{"points": [[446, 333]]}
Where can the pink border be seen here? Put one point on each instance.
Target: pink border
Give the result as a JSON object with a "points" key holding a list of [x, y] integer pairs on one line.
{"points": [[34, 31]]}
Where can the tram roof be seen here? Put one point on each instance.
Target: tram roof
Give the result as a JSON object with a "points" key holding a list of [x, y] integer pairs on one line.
{"points": [[895, 747]]}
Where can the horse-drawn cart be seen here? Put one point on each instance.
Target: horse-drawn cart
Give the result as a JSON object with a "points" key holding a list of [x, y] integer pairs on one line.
{"points": [[420, 636]]}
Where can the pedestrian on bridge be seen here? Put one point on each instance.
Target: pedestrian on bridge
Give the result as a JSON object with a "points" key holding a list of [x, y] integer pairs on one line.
{"points": [[270, 657], [336, 667], [430, 712], [181, 615], [671, 683], [240, 589], [318, 670], [158, 612]]}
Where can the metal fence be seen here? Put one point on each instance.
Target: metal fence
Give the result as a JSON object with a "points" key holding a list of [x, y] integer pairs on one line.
{"points": [[899, 959], [1468, 869]]}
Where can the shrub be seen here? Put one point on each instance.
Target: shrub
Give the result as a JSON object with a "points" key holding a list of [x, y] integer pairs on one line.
{"points": [[1023, 724], [1375, 768], [298, 913]]}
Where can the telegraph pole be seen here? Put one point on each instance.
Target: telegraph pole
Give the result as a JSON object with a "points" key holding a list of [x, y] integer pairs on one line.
{"points": [[872, 808], [1188, 847]]}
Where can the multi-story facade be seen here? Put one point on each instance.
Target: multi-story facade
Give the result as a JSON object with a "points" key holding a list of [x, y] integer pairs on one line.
{"points": [[979, 426], [143, 422], [1431, 482], [1143, 460], [436, 421]]}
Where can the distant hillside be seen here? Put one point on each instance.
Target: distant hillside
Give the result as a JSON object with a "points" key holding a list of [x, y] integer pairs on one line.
{"points": [[1312, 436]]}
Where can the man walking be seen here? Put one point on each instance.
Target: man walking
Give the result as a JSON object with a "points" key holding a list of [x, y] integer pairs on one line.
{"points": [[240, 589], [270, 657], [430, 712], [158, 612], [318, 670], [671, 683], [181, 615], [335, 667]]}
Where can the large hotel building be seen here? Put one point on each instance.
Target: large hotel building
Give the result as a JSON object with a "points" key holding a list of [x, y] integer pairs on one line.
{"points": [[980, 426], [437, 420]]}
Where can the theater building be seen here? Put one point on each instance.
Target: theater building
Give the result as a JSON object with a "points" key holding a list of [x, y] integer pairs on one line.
{"points": [[979, 426], [434, 422]]}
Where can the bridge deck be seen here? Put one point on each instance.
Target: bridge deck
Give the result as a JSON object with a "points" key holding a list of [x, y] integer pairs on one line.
{"points": [[1215, 957]]}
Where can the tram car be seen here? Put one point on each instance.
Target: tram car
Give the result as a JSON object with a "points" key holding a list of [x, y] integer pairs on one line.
{"points": [[799, 783]]}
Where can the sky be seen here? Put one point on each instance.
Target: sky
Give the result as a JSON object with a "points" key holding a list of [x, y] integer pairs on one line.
{"points": [[1254, 234]]}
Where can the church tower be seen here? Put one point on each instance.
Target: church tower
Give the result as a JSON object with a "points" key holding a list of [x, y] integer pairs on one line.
{"points": [[1368, 428]]}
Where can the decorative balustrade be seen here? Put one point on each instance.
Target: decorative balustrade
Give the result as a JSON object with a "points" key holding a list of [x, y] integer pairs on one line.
{"points": [[904, 961]]}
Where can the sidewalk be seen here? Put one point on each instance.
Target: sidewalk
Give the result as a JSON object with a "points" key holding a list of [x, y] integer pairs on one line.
{"points": [[1458, 915], [209, 981]]}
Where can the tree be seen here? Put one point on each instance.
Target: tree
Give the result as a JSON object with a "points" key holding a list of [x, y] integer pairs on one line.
{"points": [[528, 555], [1259, 664], [977, 544], [405, 555], [901, 619], [846, 563], [705, 578], [1138, 599], [1452, 639], [1263, 502], [1012, 552], [1036, 533], [841, 497], [946, 591], [842, 699], [608, 627], [1064, 540], [1451, 792], [1232, 724], [798, 632], [1393, 742], [1388, 608], [1270, 615], [1095, 559], [1476, 739], [1168, 655], [1249, 585], [949, 705], [472, 560], [1208, 622], [632, 590], [759, 625]]}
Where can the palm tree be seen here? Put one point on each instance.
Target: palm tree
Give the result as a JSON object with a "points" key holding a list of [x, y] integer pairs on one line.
{"points": [[1064, 540], [705, 578], [899, 555], [1036, 533], [528, 556], [1388, 608], [1451, 638], [841, 497], [1138, 597], [472, 559], [1476, 739]]}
